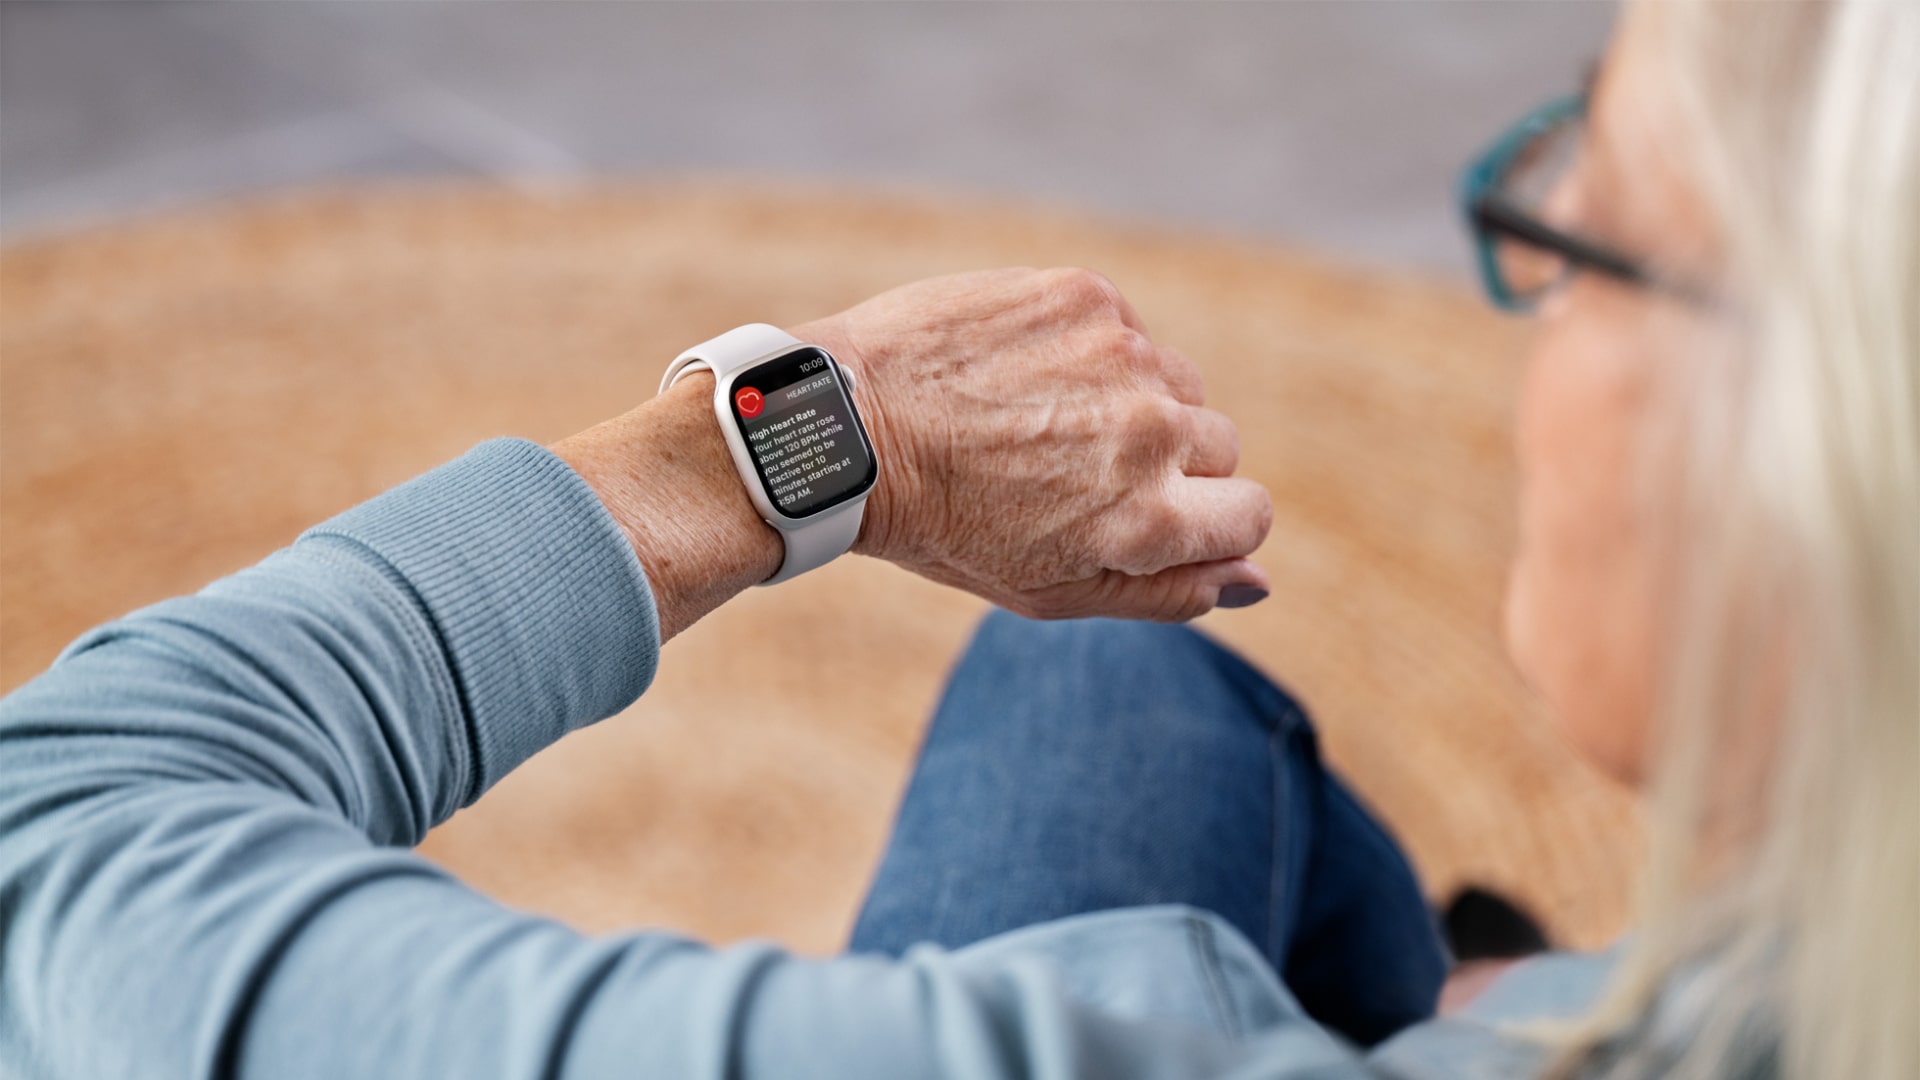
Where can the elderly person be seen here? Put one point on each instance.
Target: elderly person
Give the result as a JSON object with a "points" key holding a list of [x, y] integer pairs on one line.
{"points": [[1120, 855]]}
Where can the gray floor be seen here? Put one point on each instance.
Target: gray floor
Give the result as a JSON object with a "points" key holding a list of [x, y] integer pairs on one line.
{"points": [[1335, 123]]}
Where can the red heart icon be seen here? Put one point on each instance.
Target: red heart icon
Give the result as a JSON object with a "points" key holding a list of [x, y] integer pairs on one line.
{"points": [[749, 402]]}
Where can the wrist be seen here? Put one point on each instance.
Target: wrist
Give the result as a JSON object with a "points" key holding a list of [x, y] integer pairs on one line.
{"points": [[664, 472], [882, 525]]}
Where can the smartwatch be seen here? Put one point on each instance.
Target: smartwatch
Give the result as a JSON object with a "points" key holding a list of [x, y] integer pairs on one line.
{"points": [[786, 410]]}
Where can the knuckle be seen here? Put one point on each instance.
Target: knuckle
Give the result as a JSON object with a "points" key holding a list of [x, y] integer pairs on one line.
{"points": [[1135, 348], [1084, 290], [1163, 522], [1169, 415], [1155, 420], [1150, 434], [1147, 439], [1121, 356], [1149, 533], [1139, 415]]}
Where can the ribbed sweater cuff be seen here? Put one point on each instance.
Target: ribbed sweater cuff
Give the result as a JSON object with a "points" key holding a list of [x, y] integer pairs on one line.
{"points": [[540, 605]]}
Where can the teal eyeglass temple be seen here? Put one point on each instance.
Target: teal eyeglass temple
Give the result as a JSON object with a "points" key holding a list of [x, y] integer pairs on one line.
{"points": [[1493, 216]]}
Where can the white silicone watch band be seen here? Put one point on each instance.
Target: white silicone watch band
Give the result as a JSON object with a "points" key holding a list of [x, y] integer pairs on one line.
{"points": [[811, 543], [820, 540], [740, 347]]}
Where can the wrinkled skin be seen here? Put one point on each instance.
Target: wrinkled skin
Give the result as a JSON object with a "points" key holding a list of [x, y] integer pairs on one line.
{"points": [[1036, 448], [1039, 450]]}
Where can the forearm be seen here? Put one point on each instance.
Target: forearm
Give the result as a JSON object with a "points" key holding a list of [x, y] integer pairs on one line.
{"points": [[663, 471], [193, 787]]}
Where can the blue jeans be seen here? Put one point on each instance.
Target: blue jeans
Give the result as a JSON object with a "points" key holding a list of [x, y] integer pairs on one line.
{"points": [[1080, 766]]}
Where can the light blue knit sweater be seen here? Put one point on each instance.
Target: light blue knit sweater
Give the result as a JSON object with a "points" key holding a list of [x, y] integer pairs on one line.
{"points": [[206, 809]]}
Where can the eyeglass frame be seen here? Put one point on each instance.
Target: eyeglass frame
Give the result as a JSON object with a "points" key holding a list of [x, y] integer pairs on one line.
{"points": [[1491, 217]]}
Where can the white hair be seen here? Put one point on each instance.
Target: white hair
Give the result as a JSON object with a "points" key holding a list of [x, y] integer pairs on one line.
{"points": [[1781, 918]]}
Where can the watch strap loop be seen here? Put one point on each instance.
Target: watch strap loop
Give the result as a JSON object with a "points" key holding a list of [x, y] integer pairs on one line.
{"points": [[740, 347]]}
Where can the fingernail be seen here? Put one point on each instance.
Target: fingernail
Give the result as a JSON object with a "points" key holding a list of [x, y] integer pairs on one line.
{"points": [[1239, 596]]}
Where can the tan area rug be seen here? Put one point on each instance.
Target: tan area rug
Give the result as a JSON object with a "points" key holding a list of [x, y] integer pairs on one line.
{"points": [[181, 396]]}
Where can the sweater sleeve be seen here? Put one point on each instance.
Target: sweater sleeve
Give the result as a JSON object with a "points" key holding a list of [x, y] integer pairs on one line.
{"points": [[206, 809]]}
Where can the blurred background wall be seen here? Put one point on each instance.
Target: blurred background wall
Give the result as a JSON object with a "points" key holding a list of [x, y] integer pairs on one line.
{"points": [[1337, 124]]}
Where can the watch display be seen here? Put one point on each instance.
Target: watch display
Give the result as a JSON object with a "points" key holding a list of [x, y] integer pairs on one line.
{"points": [[801, 430]]}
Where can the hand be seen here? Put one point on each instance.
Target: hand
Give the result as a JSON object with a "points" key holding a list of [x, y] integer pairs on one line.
{"points": [[1038, 449]]}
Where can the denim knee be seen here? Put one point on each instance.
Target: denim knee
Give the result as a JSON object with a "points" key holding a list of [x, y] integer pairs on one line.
{"points": [[1163, 654], [1108, 640]]}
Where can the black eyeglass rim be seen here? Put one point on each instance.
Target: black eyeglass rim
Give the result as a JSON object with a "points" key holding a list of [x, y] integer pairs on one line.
{"points": [[1501, 216], [1493, 215]]}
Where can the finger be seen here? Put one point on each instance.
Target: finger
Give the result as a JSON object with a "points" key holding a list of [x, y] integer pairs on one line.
{"points": [[1192, 519], [1213, 444], [1182, 377], [1186, 592], [1220, 518]]}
